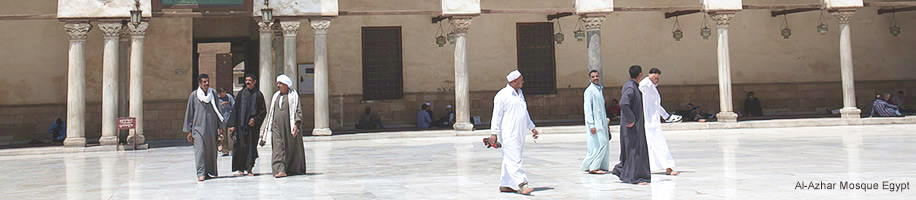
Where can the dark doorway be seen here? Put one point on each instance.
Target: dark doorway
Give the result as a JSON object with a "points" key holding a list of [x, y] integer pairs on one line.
{"points": [[536, 59], [382, 63]]}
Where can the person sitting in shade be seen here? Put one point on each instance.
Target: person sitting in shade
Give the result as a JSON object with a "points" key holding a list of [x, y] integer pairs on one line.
{"points": [[423, 118], [369, 120], [881, 108]]}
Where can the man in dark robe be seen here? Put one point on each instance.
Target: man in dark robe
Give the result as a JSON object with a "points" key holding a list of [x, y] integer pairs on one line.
{"points": [[245, 123], [752, 105], [634, 151]]}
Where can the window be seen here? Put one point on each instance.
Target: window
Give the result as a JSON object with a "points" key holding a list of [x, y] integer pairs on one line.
{"points": [[536, 60], [382, 63]]}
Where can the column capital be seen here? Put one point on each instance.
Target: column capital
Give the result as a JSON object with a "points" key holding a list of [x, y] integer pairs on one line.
{"points": [[138, 30], [265, 27], [843, 16], [592, 23], [124, 34], [290, 28], [320, 25], [111, 31], [722, 19], [77, 31], [461, 24], [278, 31]]}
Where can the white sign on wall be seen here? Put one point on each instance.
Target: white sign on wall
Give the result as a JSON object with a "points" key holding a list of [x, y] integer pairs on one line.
{"points": [[460, 7], [842, 3], [306, 78], [594, 6], [298, 7], [100, 8], [712, 5]]}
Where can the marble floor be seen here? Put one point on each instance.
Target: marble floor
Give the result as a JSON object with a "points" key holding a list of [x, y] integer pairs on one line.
{"points": [[716, 164]]}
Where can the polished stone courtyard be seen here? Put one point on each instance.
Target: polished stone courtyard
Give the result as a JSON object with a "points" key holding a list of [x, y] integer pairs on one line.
{"points": [[764, 163]]}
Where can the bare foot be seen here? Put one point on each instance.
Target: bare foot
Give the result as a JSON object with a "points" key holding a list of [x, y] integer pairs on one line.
{"points": [[241, 173], [524, 189], [250, 174], [201, 178], [642, 183], [672, 172], [597, 172], [280, 175], [506, 189]]}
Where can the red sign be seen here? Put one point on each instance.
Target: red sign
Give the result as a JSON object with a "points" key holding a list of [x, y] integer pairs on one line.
{"points": [[127, 123]]}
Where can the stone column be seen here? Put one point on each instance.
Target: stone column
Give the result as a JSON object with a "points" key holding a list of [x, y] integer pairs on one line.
{"points": [[111, 32], [593, 31], [278, 51], [462, 94], [290, 29], [849, 110], [76, 84], [123, 74], [320, 27], [137, 33], [267, 75], [726, 112]]}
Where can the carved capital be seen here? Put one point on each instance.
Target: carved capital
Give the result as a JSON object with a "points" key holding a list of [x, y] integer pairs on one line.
{"points": [[290, 28], [265, 27], [124, 34], [138, 30], [843, 16], [111, 31], [593, 23], [461, 24], [320, 25], [77, 31], [722, 19]]}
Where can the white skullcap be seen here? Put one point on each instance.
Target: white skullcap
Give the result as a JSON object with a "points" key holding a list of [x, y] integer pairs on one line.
{"points": [[448, 106], [282, 78], [513, 75], [428, 103]]}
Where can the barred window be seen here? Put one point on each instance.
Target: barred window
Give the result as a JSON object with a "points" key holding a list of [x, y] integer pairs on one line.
{"points": [[382, 63], [536, 59]]}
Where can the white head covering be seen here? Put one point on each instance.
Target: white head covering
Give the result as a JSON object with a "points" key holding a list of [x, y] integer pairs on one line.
{"points": [[282, 78], [448, 106], [513, 75], [428, 103]]}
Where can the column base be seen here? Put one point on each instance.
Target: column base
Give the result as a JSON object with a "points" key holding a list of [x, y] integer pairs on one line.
{"points": [[140, 139], [75, 142], [321, 132], [728, 117], [850, 113], [463, 126], [108, 140]]}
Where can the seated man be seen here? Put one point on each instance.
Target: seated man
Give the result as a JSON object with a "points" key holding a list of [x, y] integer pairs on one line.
{"points": [[881, 108], [423, 119], [448, 119], [58, 131], [369, 120], [613, 110]]}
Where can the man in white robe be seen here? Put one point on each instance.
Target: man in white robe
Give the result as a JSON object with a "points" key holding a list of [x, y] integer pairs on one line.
{"points": [[509, 124], [659, 156], [597, 158]]}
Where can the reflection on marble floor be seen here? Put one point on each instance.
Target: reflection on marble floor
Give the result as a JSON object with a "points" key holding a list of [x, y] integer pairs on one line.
{"points": [[716, 164]]}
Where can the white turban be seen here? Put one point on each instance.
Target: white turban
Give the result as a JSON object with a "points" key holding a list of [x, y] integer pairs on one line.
{"points": [[513, 75], [282, 78]]}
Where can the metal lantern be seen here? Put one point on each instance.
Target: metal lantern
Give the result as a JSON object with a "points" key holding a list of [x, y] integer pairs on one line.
{"points": [[136, 14], [558, 37], [822, 28], [705, 31], [579, 34], [895, 30], [452, 37], [267, 13], [440, 40], [785, 32], [677, 33]]}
